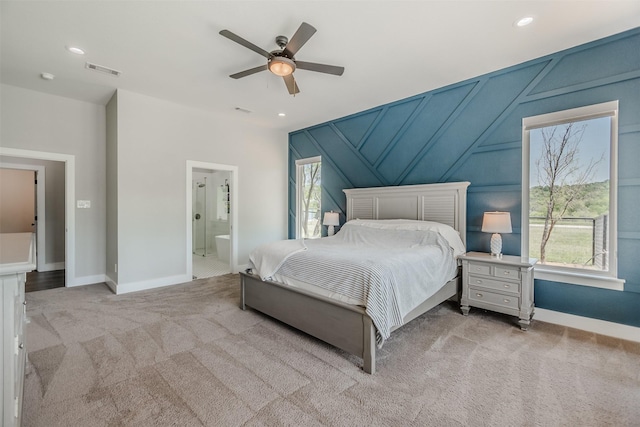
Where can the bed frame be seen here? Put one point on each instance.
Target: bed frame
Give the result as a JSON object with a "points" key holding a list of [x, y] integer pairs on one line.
{"points": [[346, 326]]}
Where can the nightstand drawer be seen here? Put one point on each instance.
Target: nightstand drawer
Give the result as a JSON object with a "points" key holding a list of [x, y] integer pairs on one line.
{"points": [[506, 273], [479, 268], [499, 285], [493, 298]]}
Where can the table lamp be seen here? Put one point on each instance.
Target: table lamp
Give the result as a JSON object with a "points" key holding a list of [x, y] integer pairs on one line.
{"points": [[496, 223], [331, 219]]}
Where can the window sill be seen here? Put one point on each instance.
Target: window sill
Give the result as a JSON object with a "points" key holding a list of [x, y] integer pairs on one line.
{"points": [[593, 280]]}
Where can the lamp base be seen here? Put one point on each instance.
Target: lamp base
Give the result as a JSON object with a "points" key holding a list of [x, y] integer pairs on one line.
{"points": [[331, 230], [496, 245]]}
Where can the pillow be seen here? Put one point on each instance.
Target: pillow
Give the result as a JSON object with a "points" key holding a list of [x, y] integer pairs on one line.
{"points": [[446, 231]]}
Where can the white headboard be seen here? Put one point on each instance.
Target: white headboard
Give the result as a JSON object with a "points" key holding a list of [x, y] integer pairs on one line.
{"points": [[444, 202]]}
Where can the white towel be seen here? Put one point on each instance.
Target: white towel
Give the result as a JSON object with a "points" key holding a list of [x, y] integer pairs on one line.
{"points": [[267, 259]]}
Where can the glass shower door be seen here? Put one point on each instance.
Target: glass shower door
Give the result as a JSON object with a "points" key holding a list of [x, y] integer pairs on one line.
{"points": [[200, 239]]}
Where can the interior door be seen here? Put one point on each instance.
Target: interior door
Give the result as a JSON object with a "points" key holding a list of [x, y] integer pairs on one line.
{"points": [[34, 225], [17, 203]]}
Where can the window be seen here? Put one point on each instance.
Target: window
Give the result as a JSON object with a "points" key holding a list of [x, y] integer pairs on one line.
{"points": [[308, 198], [569, 191]]}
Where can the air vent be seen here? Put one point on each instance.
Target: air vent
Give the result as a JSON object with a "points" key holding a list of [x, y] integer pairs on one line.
{"points": [[102, 69]]}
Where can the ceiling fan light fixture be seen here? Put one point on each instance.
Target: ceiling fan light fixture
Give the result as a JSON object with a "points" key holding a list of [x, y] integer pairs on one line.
{"points": [[281, 66]]}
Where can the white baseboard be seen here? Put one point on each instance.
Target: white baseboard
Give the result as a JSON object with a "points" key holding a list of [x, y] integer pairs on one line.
{"points": [[86, 280], [110, 283], [602, 327], [125, 288], [52, 266]]}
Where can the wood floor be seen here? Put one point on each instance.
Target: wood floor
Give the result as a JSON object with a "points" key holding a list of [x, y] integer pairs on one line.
{"points": [[37, 281]]}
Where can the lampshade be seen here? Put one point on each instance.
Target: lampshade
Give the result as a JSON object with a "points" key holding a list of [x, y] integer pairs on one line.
{"points": [[281, 66], [331, 218], [496, 222]]}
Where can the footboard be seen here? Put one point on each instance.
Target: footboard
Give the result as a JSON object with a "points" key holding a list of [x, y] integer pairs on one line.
{"points": [[342, 325]]}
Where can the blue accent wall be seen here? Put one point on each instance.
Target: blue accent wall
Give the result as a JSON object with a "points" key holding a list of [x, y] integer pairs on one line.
{"points": [[472, 131]]}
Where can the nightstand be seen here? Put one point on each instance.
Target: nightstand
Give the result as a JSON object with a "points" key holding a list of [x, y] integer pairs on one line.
{"points": [[504, 285]]}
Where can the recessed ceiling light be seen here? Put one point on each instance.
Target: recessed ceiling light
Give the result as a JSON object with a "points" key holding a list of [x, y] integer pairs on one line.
{"points": [[76, 50], [281, 114], [47, 76], [523, 22]]}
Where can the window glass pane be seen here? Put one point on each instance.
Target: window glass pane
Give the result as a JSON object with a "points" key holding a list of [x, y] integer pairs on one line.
{"points": [[310, 191], [569, 177]]}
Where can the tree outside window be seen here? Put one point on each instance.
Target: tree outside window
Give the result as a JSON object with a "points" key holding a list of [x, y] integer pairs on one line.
{"points": [[569, 203], [308, 194], [311, 215]]}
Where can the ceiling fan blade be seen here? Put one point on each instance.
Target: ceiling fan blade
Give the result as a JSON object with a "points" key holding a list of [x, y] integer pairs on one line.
{"points": [[321, 68], [291, 84], [302, 35], [236, 38], [248, 72]]}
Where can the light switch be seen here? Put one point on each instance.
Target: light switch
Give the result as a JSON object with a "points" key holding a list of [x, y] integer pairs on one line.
{"points": [[84, 204]]}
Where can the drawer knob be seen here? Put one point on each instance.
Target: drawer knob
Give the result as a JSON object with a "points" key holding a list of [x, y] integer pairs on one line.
{"points": [[507, 272], [21, 346], [479, 282], [507, 286], [24, 303], [507, 300], [479, 295]]}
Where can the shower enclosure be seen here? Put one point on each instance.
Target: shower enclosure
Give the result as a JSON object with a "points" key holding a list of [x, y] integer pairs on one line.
{"points": [[203, 242]]}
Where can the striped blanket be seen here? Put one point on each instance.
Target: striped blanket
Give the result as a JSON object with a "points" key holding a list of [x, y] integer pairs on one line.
{"points": [[389, 272]]}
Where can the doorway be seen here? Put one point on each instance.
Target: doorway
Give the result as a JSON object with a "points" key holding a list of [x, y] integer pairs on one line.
{"points": [[66, 243], [211, 218], [25, 202]]}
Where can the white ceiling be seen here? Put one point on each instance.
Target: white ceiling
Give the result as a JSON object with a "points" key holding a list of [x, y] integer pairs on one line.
{"points": [[390, 49]]}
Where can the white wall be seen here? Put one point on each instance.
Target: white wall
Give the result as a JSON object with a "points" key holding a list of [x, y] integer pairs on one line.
{"points": [[155, 140], [41, 122], [112, 190]]}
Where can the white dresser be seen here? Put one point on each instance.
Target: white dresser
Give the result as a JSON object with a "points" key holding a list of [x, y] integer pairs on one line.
{"points": [[17, 257], [501, 284]]}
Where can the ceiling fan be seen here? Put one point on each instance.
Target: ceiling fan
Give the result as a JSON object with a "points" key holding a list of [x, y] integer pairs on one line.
{"points": [[281, 62]]}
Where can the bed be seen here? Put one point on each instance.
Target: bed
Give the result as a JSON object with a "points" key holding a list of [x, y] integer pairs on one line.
{"points": [[339, 323]]}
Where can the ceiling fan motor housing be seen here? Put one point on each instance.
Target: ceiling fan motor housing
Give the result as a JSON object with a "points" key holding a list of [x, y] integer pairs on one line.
{"points": [[282, 41]]}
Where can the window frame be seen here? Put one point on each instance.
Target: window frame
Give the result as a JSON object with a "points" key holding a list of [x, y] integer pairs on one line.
{"points": [[572, 275], [300, 163]]}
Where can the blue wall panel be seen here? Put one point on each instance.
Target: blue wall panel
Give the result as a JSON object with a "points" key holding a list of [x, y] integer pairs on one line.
{"points": [[471, 131], [612, 306], [354, 130], [394, 117], [602, 60]]}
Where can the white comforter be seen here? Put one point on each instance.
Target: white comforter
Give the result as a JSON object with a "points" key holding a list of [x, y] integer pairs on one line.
{"points": [[389, 272]]}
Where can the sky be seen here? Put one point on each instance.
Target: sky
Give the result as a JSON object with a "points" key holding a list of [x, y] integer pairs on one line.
{"points": [[594, 144]]}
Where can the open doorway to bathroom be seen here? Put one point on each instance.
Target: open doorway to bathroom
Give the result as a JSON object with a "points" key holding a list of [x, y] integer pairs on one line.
{"points": [[211, 219]]}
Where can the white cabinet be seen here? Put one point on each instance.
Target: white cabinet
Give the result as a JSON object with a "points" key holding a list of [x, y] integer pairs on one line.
{"points": [[16, 259], [501, 284]]}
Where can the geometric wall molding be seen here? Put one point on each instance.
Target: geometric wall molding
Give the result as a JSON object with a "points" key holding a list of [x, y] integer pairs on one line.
{"points": [[472, 130]]}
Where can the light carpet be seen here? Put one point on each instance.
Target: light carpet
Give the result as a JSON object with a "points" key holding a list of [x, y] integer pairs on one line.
{"points": [[186, 355]]}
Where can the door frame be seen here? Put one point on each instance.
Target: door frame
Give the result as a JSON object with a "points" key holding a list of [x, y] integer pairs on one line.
{"points": [[70, 195], [40, 209], [233, 218]]}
